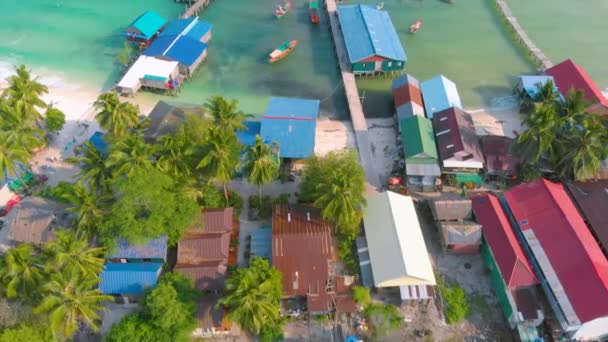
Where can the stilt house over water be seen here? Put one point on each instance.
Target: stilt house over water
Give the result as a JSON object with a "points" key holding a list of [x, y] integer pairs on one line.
{"points": [[371, 40], [145, 27]]}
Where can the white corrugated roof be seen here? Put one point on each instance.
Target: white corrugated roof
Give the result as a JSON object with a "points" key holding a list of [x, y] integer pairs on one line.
{"points": [[146, 65], [396, 246]]}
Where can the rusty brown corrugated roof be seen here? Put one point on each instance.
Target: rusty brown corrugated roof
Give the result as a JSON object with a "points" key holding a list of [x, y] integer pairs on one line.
{"points": [[217, 220], [497, 153], [32, 222], [591, 199], [203, 248], [209, 275], [208, 316]]}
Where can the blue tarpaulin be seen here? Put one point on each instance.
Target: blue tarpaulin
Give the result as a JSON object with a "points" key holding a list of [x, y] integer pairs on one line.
{"points": [[292, 124], [152, 249], [128, 278]]}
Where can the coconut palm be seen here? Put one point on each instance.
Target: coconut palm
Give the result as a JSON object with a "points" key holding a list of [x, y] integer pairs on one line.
{"points": [[11, 156], [87, 206], [261, 164], [130, 156], [25, 91], [221, 156], [574, 107], [67, 251], [93, 168], [71, 297], [539, 139], [339, 201], [23, 271], [175, 153], [547, 94], [225, 113], [20, 127], [115, 116]]}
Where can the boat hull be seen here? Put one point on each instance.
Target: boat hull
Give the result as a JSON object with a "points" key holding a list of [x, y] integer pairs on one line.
{"points": [[315, 18], [282, 52]]}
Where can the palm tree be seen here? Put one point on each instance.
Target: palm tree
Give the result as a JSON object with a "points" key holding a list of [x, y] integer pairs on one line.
{"points": [[540, 137], [547, 94], [67, 251], [93, 168], [23, 271], [11, 156], [88, 207], [175, 154], [25, 91], [574, 107], [225, 113], [221, 156], [339, 201], [22, 131], [130, 156], [115, 116], [69, 298], [260, 164]]}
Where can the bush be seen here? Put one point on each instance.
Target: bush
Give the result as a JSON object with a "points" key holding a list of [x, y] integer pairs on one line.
{"points": [[362, 296], [235, 201], [211, 197], [457, 306], [56, 192], [282, 199], [382, 318], [346, 252], [321, 319], [54, 120]]}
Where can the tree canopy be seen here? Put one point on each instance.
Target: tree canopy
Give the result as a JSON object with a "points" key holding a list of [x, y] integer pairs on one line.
{"points": [[261, 164], [115, 116], [54, 119]]}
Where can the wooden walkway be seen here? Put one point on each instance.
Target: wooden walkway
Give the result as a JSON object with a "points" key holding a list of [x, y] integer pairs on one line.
{"points": [[354, 101], [195, 7], [528, 44]]}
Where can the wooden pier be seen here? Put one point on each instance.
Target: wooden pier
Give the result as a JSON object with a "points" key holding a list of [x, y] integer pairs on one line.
{"points": [[354, 101], [194, 7], [536, 53]]}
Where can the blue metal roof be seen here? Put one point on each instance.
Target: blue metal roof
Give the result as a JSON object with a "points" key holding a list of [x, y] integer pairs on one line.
{"points": [[530, 84], [190, 27], [129, 278], [261, 243], [182, 49], [291, 123], [247, 137], [99, 142], [148, 24], [439, 93], [199, 30], [369, 32], [152, 249]]}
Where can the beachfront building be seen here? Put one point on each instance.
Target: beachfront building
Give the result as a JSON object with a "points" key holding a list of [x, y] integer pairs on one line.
{"points": [[457, 141], [33, 221], [420, 151], [152, 73], [145, 28], [407, 97], [129, 280], [458, 232], [571, 267], [511, 274], [591, 199], [303, 251], [291, 123], [569, 75], [191, 27], [186, 49], [397, 252], [153, 250], [439, 93], [165, 119], [499, 161], [529, 85], [371, 40]]}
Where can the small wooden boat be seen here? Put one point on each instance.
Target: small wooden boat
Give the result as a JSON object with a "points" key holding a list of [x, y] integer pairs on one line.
{"points": [[313, 11], [380, 6], [281, 10], [415, 27], [282, 51]]}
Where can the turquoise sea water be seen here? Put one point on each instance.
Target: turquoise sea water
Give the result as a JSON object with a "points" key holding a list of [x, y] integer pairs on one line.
{"points": [[465, 41]]}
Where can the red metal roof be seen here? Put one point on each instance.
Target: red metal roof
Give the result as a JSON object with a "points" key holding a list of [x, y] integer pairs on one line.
{"points": [[210, 275], [545, 209], [568, 74], [498, 232], [217, 220], [497, 153], [407, 93]]}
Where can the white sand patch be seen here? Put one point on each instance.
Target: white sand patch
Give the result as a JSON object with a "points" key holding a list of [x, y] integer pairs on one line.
{"points": [[383, 140], [332, 135], [504, 122]]}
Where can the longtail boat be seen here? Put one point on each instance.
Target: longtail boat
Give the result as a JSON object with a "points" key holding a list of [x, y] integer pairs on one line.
{"points": [[282, 51], [415, 27], [281, 10], [313, 11]]}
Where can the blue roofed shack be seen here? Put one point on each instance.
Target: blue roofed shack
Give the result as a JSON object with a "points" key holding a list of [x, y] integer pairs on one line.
{"points": [[145, 27], [191, 27], [188, 52], [439, 93], [261, 243], [128, 279], [99, 142], [529, 85], [247, 136], [371, 40], [291, 123], [152, 250]]}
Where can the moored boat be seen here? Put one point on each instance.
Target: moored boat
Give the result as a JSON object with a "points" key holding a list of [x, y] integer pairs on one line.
{"points": [[281, 10], [313, 11], [380, 6], [282, 51], [415, 27]]}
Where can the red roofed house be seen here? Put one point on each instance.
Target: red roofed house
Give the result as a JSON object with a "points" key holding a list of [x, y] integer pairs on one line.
{"points": [[499, 161], [303, 251], [407, 97], [456, 139], [571, 266], [511, 273], [569, 75]]}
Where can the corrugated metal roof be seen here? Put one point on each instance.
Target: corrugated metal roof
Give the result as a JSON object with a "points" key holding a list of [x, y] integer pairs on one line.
{"points": [[33, 221], [425, 170], [568, 255], [369, 32], [206, 247], [147, 66], [451, 210], [217, 220], [568, 74], [531, 84], [210, 275], [128, 279], [97, 139], [418, 140], [439, 93], [497, 153], [592, 200], [365, 264], [292, 124], [182, 49], [191, 27], [152, 249], [247, 136], [396, 246], [506, 249], [455, 132], [461, 233], [406, 89], [208, 314], [199, 30], [148, 23], [261, 243]]}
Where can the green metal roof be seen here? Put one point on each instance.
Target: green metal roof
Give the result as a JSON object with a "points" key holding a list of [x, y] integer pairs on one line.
{"points": [[418, 139], [149, 23]]}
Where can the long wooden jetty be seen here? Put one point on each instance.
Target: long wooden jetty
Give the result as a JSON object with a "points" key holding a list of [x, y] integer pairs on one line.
{"points": [[353, 99], [536, 53], [194, 7]]}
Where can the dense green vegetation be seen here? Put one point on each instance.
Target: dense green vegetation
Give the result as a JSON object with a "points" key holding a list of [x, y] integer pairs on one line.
{"points": [[455, 299], [563, 136], [261, 164], [168, 313], [382, 318], [253, 299]]}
